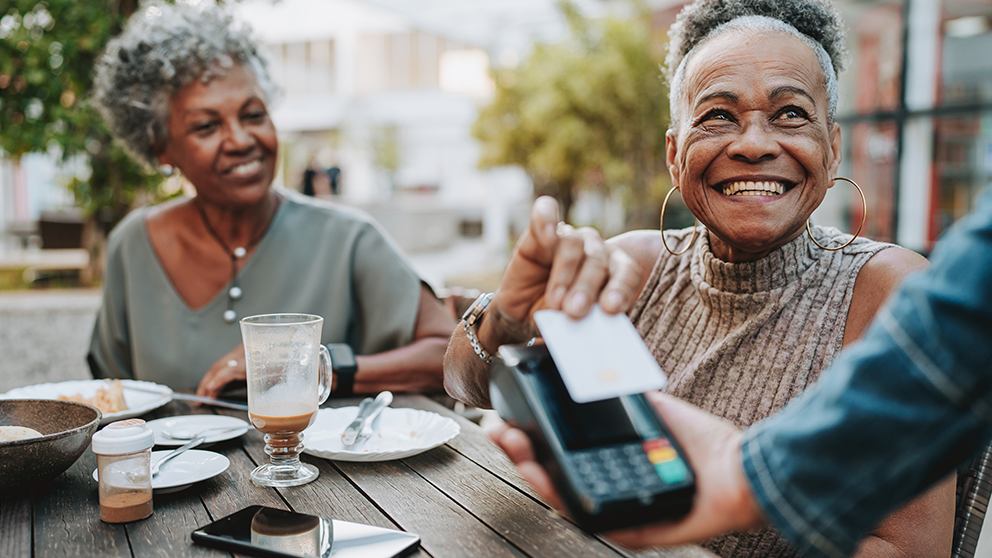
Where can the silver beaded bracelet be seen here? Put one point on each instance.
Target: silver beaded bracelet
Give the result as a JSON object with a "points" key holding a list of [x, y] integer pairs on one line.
{"points": [[470, 318]]}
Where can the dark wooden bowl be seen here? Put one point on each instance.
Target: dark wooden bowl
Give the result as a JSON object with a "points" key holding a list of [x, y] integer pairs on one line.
{"points": [[66, 428]]}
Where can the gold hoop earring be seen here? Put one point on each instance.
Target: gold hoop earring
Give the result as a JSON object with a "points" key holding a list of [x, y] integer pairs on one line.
{"points": [[864, 215], [691, 239]]}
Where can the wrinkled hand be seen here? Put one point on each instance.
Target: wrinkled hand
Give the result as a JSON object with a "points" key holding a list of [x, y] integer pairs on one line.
{"points": [[723, 500], [228, 368], [562, 268]]}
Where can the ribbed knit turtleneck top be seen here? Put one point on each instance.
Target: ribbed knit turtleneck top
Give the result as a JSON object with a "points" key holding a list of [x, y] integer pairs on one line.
{"points": [[741, 340]]}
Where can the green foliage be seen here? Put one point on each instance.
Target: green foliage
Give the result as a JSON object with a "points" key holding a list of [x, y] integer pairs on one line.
{"points": [[590, 111], [47, 53], [386, 149], [386, 154]]}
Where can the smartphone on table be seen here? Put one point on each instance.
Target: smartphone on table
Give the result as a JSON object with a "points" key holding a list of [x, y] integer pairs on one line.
{"points": [[263, 531]]}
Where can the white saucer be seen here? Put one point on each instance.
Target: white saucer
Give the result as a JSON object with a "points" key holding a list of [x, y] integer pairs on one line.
{"points": [[140, 397], [399, 433], [197, 423], [184, 470]]}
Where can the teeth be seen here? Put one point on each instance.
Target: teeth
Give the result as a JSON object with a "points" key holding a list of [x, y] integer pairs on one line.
{"points": [[246, 168], [754, 189]]}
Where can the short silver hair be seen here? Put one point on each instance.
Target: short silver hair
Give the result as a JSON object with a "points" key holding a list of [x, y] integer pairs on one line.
{"points": [[816, 22], [163, 48], [756, 24]]}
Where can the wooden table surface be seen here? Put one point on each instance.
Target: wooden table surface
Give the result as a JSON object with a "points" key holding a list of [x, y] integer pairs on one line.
{"points": [[463, 498]]}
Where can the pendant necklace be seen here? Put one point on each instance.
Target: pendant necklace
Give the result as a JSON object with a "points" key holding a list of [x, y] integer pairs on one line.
{"points": [[234, 292]]}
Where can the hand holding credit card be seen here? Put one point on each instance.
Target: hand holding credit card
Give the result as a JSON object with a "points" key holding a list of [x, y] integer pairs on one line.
{"points": [[600, 356]]}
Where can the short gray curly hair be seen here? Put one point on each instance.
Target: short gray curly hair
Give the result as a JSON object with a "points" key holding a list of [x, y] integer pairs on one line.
{"points": [[815, 22], [163, 48]]}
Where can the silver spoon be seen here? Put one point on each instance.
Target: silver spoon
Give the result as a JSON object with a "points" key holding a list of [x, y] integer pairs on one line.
{"points": [[180, 434], [177, 452]]}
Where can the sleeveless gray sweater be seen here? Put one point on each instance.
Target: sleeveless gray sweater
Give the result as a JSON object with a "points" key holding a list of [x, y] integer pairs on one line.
{"points": [[741, 340]]}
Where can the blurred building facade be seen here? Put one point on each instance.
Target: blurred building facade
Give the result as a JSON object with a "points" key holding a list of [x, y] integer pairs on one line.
{"points": [[390, 104], [918, 112], [386, 91]]}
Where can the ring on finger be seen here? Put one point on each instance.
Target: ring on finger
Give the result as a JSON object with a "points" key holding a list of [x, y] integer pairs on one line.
{"points": [[562, 228], [232, 363]]}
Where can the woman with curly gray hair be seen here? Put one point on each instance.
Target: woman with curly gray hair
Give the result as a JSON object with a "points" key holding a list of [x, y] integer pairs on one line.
{"points": [[185, 88], [744, 314]]}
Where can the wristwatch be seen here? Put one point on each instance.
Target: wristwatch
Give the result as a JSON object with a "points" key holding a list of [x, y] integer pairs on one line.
{"points": [[343, 364]]}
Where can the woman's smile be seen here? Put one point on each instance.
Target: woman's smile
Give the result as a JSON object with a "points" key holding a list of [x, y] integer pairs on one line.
{"points": [[248, 171], [749, 188]]}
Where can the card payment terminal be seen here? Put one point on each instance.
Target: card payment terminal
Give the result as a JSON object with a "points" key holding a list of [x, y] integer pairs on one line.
{"points": [[614, 462]]}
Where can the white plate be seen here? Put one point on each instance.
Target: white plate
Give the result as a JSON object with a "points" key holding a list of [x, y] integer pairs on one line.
{"points": [[197, 423], [183, 470], [141, 397], [399, 433]]}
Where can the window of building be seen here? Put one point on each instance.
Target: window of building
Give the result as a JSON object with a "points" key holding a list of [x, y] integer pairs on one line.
{"points": [[872, 158], [962, 167], [303, 68], [916, 107], [399, 61]]}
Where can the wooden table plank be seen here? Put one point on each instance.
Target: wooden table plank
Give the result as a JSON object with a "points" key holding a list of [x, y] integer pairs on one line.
{"points": [[331, 495], [233, 490], [464, 499], [445, 528], [67, 519], [472, 442], [15, 526], [476, 446], [523, 521], [167, 532]]}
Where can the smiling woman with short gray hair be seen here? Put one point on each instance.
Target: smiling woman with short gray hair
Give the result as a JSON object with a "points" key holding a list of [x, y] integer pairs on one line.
{"points": [[163, 51], [744, 312], [183, 87]]}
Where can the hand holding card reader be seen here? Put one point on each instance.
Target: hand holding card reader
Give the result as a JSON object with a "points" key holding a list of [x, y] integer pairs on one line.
{"points": [[614, 462]]}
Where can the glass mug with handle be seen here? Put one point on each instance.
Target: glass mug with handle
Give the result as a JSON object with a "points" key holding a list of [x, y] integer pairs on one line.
{"points": [[289, 376]]}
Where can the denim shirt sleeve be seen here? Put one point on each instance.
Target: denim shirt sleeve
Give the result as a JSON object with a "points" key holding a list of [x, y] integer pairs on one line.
{"points": [[895, 413]]}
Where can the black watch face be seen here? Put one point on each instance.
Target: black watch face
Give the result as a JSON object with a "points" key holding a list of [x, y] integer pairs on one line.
{"points": [[342, 358]]}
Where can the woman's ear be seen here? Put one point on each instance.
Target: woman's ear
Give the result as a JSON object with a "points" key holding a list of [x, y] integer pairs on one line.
{"points": [[671, 157], [835, 148], [164, 160]]}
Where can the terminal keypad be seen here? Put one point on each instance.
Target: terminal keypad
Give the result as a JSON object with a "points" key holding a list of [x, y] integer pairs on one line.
{"points": [[630, 466]]}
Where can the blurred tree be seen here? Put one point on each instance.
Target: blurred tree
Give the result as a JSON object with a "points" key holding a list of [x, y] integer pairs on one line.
{"points": [[47, 52], [386, 154], [590, 111]]}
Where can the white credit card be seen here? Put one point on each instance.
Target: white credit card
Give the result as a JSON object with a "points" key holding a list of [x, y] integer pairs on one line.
{"points": [[600, 356]]}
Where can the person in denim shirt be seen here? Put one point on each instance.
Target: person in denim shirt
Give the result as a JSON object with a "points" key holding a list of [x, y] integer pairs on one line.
{"points": [[895, 413], [898, 410]]}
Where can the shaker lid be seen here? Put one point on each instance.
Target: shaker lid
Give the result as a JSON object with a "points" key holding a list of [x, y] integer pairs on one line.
{"points": [[125, 436]]}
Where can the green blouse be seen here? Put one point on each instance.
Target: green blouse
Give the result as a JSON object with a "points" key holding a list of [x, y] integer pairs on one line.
{"points": [[316, 258]]}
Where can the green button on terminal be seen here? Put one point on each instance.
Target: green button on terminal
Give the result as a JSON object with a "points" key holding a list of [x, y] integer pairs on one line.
{"points": [[672, 472]]}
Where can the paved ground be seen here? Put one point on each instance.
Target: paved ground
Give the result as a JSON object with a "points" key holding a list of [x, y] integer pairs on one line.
{"points": [[44, 336]]}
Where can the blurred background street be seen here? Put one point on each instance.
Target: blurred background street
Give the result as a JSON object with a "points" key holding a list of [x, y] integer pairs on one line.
{"points": [[411, 111], [444, 119]]}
